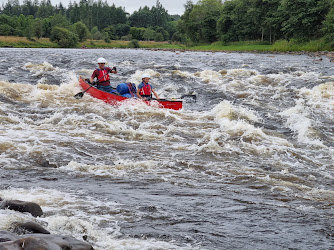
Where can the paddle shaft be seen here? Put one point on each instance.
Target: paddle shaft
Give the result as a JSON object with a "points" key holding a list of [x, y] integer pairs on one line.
{"points": [[182, 97], [80, 94]]}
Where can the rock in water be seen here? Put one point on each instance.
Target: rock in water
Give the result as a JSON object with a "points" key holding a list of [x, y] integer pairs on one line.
{"points": [[22, 206]]}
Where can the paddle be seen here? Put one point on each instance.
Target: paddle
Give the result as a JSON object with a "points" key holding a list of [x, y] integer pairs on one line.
{"points": [[193, 97], [80, 94]]}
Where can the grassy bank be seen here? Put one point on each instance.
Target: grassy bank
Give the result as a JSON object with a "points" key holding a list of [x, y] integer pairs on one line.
{"points": [[23, 42], [278, 46], [251, 46]]}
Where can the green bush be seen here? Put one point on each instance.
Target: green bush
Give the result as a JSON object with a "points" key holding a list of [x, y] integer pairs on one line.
{"points": [[81, 30], [6, 30], [125, 38], [158, 37], [106, 37], [63, 37], [134, 43]]}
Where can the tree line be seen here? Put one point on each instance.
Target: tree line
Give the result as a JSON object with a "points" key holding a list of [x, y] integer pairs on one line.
{"points": [[207, 21], [86, 19], [264, 20]]}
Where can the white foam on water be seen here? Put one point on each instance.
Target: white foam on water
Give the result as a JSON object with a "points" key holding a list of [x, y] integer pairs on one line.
{"points": [[69, 215], [297, 119], [136, 77], [182, 74], [236, 122], [126, 63], [40, 69], [307, 192], [320, 96], [209, 76], [121, 167]]}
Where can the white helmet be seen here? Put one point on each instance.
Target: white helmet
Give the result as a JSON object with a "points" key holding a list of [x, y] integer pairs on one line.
{"points": [[101, 60], [145, 75]]}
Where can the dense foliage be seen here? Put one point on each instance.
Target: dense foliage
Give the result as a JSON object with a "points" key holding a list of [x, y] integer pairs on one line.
{"points": [[265, 20], [83, 20], [207, 21]]}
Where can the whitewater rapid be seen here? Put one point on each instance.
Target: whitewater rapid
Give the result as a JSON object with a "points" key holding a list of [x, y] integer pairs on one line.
{"points": [[247, 166]]}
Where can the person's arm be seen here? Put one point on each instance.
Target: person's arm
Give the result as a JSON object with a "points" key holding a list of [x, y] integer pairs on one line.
{"points": [[155, 93], [92, 77], [138, 95]]}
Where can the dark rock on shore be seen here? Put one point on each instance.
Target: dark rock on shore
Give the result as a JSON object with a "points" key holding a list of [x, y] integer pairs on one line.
{"points": [[32, 236], [22, 206], [29, 227], [10, 241]]}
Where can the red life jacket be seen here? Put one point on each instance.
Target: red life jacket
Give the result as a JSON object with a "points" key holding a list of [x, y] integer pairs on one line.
{"points": [[146, 89], [103, 76]]}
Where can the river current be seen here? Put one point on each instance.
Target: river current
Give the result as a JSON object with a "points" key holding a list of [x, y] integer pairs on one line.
{"points": [[247, 166]]}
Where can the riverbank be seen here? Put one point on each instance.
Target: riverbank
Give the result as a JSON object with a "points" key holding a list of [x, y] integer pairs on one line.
{"points": [[312, 48]]}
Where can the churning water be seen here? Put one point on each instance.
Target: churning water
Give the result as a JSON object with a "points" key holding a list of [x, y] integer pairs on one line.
{"points": [[248, 166]]}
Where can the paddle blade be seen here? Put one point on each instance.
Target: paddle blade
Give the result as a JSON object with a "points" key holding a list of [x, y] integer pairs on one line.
{"points": [[79, 95], [189, 97]]}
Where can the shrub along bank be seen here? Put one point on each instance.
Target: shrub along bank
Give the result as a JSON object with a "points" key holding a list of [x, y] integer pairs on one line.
{"points": [[246, 46]]}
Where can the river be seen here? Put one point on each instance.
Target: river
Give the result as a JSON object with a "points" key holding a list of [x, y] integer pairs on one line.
{"points": [[247, 166]]}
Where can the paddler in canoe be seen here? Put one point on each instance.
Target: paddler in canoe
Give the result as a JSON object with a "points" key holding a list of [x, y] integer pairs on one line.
{"points": [[145, 89], [102, 74]]}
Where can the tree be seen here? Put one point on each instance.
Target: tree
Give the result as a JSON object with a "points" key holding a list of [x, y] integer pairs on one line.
{"points": [[122, 29], [29, 8], [6, 25], [163, 32], [141, 18], [158, 37], [73, 13], [60, 21], [96, 34], [63, 37], [200, 20], [171, 28], [60, 9], [45, 9], [37, 27], [110, 31], [159, 15], [248, 20], [81, 30], [12, 8], [6, 30], [148, 34], [137, 33], [47, 27], [176, 37], [328, 28], [184, 23], [303, 19]]}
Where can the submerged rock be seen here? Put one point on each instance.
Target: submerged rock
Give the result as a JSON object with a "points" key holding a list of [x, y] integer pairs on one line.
{"points": [[29, 227], [10, 241], [37, 237], [22, 206]]}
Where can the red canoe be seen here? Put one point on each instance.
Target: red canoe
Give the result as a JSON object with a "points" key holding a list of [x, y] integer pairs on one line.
{"points": [[116, 99]]}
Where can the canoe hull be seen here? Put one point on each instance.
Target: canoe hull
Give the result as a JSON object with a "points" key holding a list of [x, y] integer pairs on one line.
{"points": [[115, 99]]}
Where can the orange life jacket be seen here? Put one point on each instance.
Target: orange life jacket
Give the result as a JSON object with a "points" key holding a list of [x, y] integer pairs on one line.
{"points": [[146, 89], [103, 76]]}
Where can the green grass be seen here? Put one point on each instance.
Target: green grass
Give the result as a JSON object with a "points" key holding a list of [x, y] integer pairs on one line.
{"points": [[22, 42], [236, 46], [250, 46], [293, 45]]}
